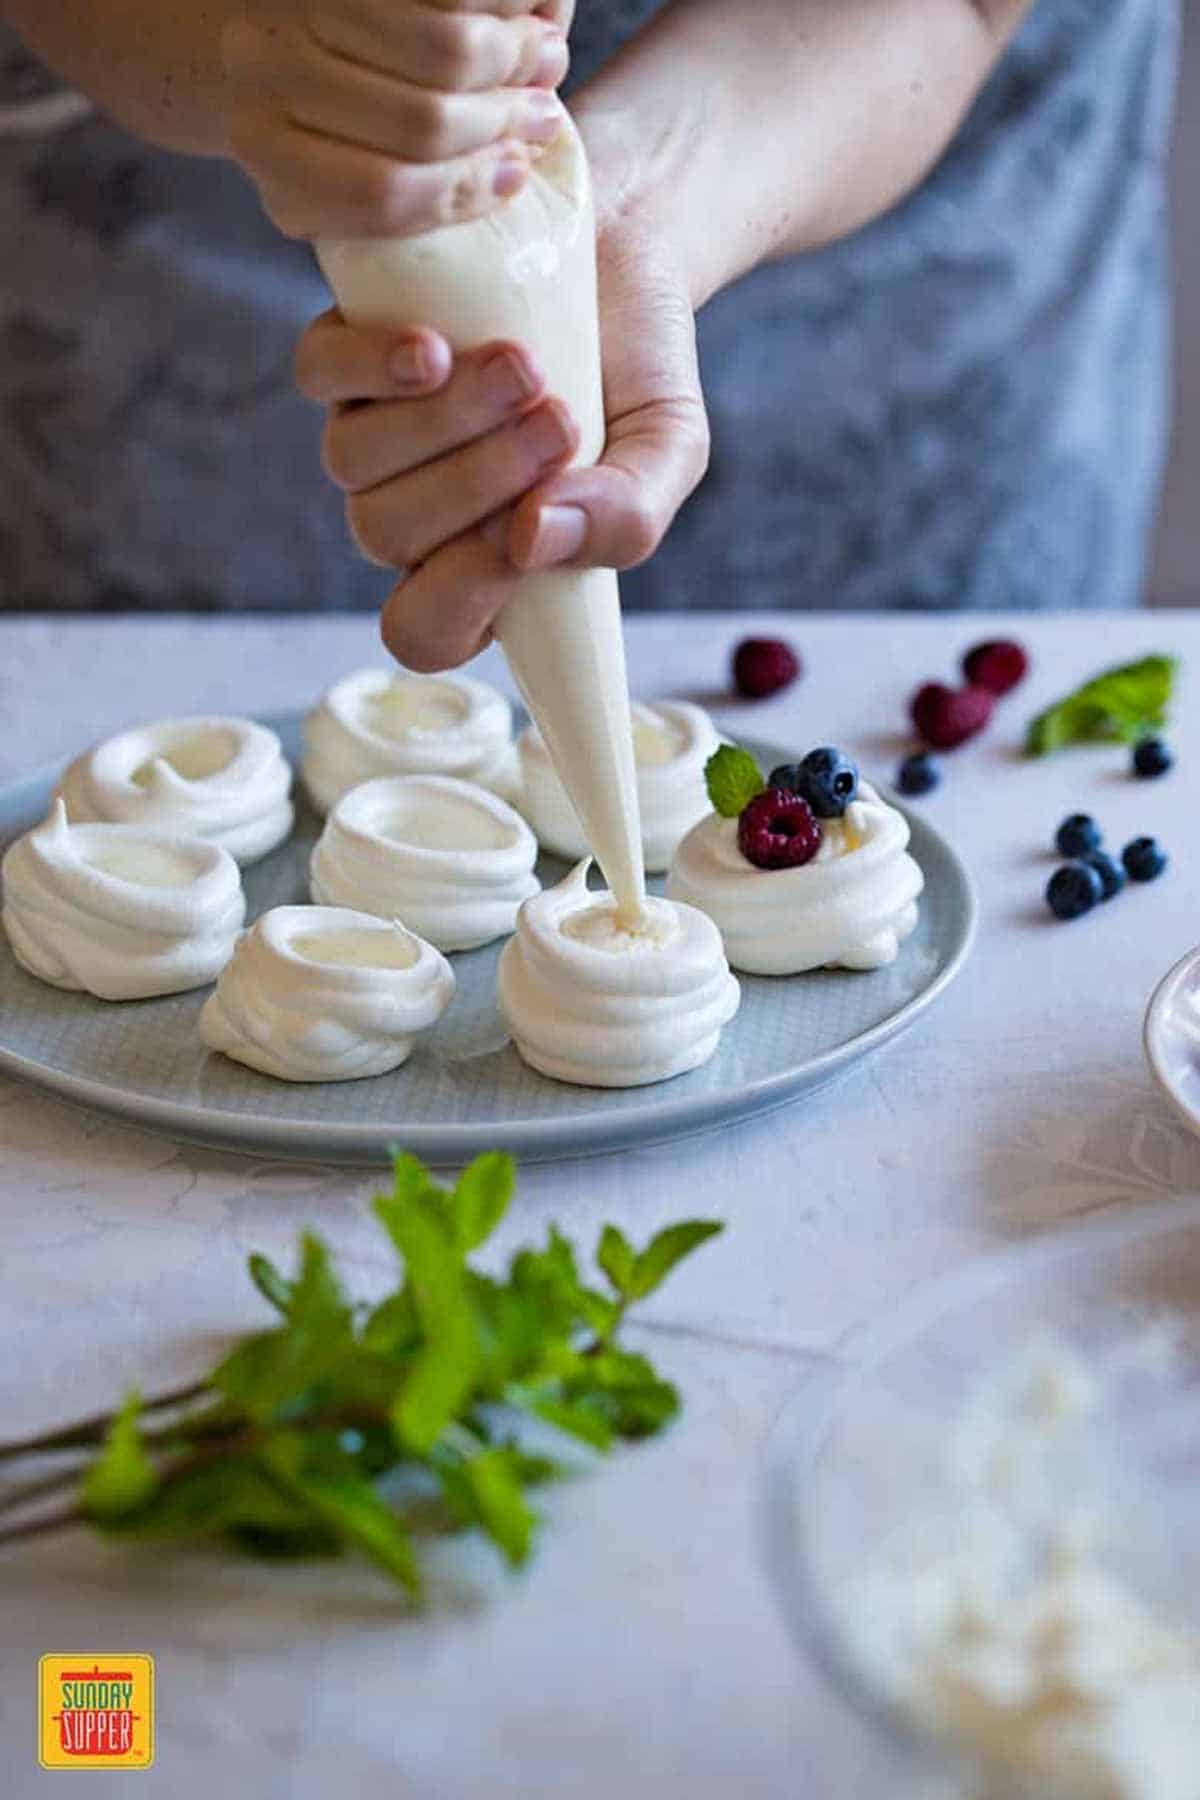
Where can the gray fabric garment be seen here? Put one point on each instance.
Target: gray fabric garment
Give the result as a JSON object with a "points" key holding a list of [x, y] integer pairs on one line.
{"points": [[962, 405]]}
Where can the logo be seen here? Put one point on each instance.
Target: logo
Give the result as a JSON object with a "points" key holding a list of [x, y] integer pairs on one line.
{"points": [[96, 1711]]}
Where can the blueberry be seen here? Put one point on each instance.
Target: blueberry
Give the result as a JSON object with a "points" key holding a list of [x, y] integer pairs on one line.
{"points": [[828, 781], [1078, 836], [1151, 757], [1143, 859], [1073, 890], [1112, 875], [918, 774], [787, 776]]}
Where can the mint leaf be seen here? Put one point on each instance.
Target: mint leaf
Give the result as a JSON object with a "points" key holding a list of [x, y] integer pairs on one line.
{"points": [[627, 1391], [122, 1478], [494, 1486], [264, 1371], [410, 1177], [272, 1369], [733, 778], [393, 1324], [666, 1250], [578, 1419], [1117, 706], [316, 1301], [444, 1370], [270, 1283], [615, 1257], [230, 1496], [481, 1198], [346, 1502]]}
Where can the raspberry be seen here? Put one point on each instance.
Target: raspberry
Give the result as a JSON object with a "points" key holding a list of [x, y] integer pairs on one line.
{"points": [[763, 666], [946, 717], [997, 665], [778, 830]]}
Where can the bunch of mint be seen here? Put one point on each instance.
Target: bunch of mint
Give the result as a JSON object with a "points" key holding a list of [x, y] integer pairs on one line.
{"points": [[342, 1425], [1117, 706]]}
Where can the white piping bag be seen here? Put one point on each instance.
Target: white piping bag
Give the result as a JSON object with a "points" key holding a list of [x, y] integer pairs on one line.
{"points": [[527, 271]]}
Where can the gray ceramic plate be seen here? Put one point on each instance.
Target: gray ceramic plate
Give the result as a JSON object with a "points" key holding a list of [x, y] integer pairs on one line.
{"points": [[464, 1089]]}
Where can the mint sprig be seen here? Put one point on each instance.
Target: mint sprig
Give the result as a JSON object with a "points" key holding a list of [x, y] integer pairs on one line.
{"points": [[1117, 706], [733, 779], [348, 1426]]}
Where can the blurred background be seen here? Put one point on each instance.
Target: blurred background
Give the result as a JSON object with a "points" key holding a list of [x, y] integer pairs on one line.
{"points": [[1176, 577]]}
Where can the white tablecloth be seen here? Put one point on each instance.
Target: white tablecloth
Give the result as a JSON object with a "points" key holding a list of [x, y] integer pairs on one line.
{"points": [[640, 1655]]}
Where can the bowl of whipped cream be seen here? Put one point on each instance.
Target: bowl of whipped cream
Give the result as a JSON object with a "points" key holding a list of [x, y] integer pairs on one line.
{"points": [[982, 1522]]}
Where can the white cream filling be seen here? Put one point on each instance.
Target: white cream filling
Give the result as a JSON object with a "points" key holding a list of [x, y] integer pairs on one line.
{"points": [[373, 723], [221, 779], [592, 1002], [117, 911], [451, 860], [851, 907], [318, 993]]}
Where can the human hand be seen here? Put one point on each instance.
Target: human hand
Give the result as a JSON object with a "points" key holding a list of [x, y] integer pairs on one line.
{"points": [[382, 118], [456, 468]]}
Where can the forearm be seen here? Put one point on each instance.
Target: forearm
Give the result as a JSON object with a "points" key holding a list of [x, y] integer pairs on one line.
{"points": [[760, 131], [154, 65]]}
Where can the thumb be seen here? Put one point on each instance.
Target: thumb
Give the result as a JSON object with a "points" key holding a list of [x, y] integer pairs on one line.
{"points": [[616, 514]]}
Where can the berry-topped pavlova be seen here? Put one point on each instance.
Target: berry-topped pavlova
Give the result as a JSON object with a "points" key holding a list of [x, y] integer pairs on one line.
{"points": [[807, 869]]}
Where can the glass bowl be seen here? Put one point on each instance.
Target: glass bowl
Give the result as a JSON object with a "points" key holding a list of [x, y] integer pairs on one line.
{"points": [[861, 1452]]}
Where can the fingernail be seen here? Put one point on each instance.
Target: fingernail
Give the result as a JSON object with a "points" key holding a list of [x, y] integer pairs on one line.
{"points": [[507, 380], [547, 433], [553, 60], [509, 178], [542, 119], [560, 535], [409, 364]]}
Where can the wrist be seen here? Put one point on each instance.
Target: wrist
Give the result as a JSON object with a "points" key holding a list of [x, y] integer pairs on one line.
{"points": [[637, 184]]}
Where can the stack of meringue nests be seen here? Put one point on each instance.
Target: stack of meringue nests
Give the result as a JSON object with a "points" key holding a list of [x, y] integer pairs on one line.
{"points": [[131, 888]]}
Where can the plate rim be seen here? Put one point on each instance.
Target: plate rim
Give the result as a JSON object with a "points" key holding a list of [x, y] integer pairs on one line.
{"points": [[1155, 1027], [567, 1138]]}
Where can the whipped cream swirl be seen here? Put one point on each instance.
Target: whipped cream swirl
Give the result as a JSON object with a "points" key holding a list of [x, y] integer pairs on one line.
{"points": [[119, 912], [216, 778], [672, 741], [590, 1002], [851, 907], [452, 860], [374, 723], [320, 993]]}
